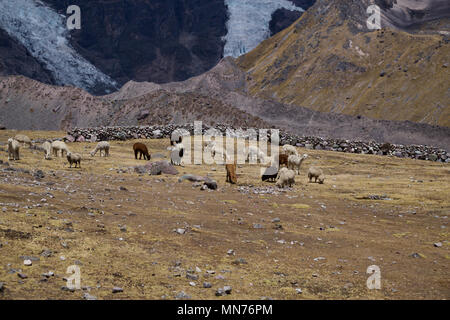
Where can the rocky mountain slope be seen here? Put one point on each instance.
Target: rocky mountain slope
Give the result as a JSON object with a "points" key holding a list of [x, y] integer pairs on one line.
{"points": [[217, 96], [326, 75], [121, 40], [328, 61]]}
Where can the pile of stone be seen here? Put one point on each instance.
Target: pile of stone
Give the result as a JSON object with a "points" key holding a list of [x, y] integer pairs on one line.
{"points": [[420, 152]]}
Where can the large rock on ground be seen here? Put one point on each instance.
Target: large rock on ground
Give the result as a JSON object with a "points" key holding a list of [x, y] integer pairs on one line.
{"points": [[159, 167]]}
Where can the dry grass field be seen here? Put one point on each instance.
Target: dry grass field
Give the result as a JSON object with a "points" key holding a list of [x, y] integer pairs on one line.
{"points": [[324, 241]]}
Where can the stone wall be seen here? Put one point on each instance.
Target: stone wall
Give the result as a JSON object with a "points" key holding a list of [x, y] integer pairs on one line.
{"points": [[420, 152]]}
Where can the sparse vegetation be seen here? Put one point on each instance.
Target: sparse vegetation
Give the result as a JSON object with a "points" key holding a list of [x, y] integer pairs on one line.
{"points": [[144, 233]]}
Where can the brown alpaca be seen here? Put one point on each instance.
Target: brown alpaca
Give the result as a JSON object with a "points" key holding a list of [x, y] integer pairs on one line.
{"points": [[283, 159], [141, 149], [231, 173]]}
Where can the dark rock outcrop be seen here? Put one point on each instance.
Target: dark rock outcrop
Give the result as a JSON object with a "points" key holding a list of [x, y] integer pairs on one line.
{"points": [[149, 40], [15, 60], [283, 18]]}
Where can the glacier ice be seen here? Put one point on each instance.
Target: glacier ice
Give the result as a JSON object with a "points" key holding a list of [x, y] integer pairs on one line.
{"points": [[44, 33], [248, 23]]}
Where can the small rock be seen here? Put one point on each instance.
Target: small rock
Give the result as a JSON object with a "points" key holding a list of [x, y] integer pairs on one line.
{"points": [[64, 288], [438, 244], [191, 276], [27, 262], [298, 290], [182, 295], [22, 275], [220, 292], [207, 285], [46, 253], [239, 261], [117, 290], [319, 258], [227, 289]]}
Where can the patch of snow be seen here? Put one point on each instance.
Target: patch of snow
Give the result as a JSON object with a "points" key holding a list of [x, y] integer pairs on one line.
{"points": [[44, 33], [248, 23]]}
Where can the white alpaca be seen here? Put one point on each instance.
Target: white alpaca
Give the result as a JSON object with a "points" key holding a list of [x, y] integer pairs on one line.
{"points": [[295, 162], [23, 139], [101, 146], [176, 156], [217, 152], [59, 146], [47, 146], [254, 153], [288, 149], [13, 149], [285, 177], [317, 174]]}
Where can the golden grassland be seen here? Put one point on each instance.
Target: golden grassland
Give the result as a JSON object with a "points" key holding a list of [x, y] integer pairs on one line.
{"points": [[330, 69], [81, 221]]}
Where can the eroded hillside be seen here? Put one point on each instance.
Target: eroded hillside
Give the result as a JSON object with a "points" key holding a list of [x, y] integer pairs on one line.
{"points": [[328, 61]]}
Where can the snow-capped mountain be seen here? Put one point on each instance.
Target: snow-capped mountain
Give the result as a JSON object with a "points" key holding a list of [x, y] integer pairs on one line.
{"points": [[148, 40], [44, 33], [158, 40]]}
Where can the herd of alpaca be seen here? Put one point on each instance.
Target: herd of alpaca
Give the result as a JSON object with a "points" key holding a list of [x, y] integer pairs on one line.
{"points": [[282, 172]]}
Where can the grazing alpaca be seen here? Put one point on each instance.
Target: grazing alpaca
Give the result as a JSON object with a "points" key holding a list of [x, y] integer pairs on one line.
{"points": [[283, 159], [285, 177], [13, 149], [317, 174], [23, 139], [74, 158], [101, 146], [47, 146], [141, 149], [59, 146], [231, 173]]}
